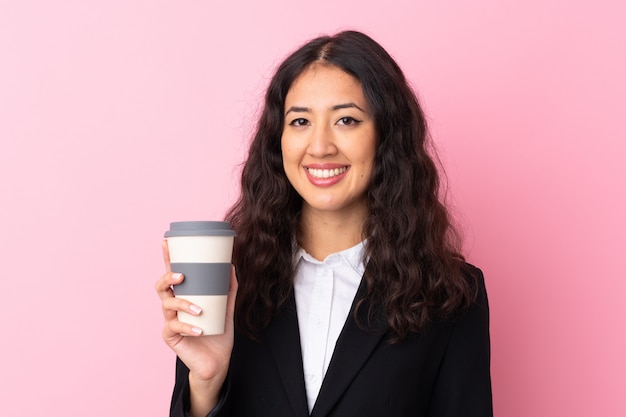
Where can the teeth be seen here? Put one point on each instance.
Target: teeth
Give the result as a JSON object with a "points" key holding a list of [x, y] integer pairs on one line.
{"points": [[326, 173]]}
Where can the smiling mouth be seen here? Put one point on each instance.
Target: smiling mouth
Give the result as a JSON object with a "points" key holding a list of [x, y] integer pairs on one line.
{"points": [[326, 173]]}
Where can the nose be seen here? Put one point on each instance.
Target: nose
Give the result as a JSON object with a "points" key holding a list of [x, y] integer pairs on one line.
{"points": [[321, 142]]}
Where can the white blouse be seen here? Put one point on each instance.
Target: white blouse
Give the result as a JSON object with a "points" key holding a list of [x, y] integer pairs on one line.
{"points": [[324, 292]]}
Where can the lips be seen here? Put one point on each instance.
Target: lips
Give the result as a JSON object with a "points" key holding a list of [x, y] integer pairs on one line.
{"points": [[325, 175], [319, 173]]}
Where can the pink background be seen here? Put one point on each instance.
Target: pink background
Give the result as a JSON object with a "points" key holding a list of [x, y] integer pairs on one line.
{"points": [[119, 116]]}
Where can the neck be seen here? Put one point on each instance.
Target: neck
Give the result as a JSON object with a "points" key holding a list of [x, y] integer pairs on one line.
{"points": [[323, 233]]}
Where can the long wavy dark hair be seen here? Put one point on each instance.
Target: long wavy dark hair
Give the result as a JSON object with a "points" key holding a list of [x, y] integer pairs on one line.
{"points": [[415, 273]]}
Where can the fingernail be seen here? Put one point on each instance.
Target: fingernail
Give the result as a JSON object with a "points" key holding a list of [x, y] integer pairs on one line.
{"points": [[177, 275], [196, 330], [195, 309]]}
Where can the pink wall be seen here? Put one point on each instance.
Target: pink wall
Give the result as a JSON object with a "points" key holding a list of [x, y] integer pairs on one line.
{"points": [[117, 117]]}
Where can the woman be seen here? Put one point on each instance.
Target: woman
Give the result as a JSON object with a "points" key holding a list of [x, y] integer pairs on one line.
{"points": [[352, 297]]}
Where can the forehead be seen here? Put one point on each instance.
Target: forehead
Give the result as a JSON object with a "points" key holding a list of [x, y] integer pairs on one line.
{"points": [[322, 82]]}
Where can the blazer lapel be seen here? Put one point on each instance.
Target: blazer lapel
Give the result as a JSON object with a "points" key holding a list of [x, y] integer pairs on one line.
{"points": [[283, 339], [352, 350]]}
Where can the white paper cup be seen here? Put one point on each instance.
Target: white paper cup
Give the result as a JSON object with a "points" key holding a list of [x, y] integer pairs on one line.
{"points": [[202, 252]]}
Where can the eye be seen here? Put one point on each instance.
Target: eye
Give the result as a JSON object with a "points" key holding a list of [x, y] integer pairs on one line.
{"points": [[301, 121], [347, 121]]}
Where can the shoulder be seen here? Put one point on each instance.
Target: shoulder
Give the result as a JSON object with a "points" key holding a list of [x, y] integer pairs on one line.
{"points": [[475, 315], [476, 281], [465, 366]]}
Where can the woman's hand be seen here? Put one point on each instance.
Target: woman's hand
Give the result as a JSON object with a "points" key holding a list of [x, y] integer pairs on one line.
{"points": [[207, 357]]}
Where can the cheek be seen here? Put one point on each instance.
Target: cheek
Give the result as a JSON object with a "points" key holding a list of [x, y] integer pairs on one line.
{"points": [[291, 163], [287, 147], [368, 169], [289, 156], [292, 153]]}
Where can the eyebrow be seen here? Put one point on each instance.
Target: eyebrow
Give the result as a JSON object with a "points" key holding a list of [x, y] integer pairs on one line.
{"points": [[298, 109]]}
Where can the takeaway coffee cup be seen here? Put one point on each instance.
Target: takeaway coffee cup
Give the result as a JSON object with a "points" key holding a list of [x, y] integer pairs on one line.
{"points": [[202, 252]]}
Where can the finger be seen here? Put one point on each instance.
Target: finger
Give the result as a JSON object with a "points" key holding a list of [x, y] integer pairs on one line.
{"points": [[174, 329], [166, 255], [174, 304], [171, 306], [163, 286]]}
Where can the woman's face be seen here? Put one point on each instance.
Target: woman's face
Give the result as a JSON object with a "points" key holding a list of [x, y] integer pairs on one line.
{"points": [[329, 141]]}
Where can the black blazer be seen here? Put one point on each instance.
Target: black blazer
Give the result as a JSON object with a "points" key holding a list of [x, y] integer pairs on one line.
{"points": [[444, 372]]}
